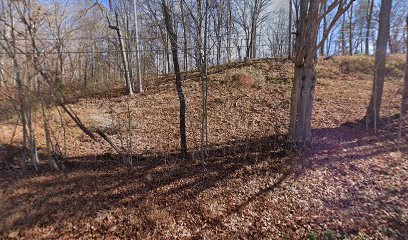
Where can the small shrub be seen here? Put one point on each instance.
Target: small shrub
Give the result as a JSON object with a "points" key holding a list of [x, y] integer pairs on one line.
{"points": [[329, 235], [311, 236]]}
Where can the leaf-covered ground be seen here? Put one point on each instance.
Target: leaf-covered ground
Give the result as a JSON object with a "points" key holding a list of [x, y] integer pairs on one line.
{"points": [[350, 184]]}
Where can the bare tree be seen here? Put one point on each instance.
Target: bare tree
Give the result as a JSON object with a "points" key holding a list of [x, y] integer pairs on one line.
{"points": [[372, 116], [174, 50], [116, 27]]}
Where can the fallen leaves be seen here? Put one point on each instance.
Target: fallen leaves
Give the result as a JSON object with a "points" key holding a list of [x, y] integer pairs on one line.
{"points": [[350, 183]]}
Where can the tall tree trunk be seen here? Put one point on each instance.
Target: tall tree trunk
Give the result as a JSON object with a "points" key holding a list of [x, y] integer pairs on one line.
{"points": [[404, 102], [290, 29], [185, 37], [19, 85], [229, 30], [139, 84], [174, 49], [351, 29], [204, 85], [372, 116], [30, 124], [370, 7], [324, 28]]}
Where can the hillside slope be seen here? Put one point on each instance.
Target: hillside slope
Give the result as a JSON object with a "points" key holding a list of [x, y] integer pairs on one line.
{"points": [[351, 184]]}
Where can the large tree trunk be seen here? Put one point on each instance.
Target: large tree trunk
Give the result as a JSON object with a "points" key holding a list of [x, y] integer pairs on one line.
{"points": [[304, 82], [179, 86], [373, 111], [300, 128]]}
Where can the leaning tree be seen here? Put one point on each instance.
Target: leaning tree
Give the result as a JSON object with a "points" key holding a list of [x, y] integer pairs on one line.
{"points": [[306, 47]]}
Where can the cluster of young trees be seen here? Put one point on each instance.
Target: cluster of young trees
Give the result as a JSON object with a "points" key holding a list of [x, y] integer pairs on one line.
{"points": [[48, 45]]}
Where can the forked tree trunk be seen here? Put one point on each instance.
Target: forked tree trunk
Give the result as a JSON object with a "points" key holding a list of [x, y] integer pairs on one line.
{"points": [[121, 46], [372, 116], [306, 47], [300, 128]]}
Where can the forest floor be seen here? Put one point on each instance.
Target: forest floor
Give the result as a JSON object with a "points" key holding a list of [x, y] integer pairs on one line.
{"points": [[350, 184]]}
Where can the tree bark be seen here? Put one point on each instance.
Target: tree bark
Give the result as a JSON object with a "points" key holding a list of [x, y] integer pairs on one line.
{"points": [[174, 49], [304, 82], [372, 116]]}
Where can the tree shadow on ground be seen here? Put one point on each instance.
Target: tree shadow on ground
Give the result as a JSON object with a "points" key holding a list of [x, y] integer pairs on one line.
{"points": [[367, 166], [94, 183], [97, 183]]}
